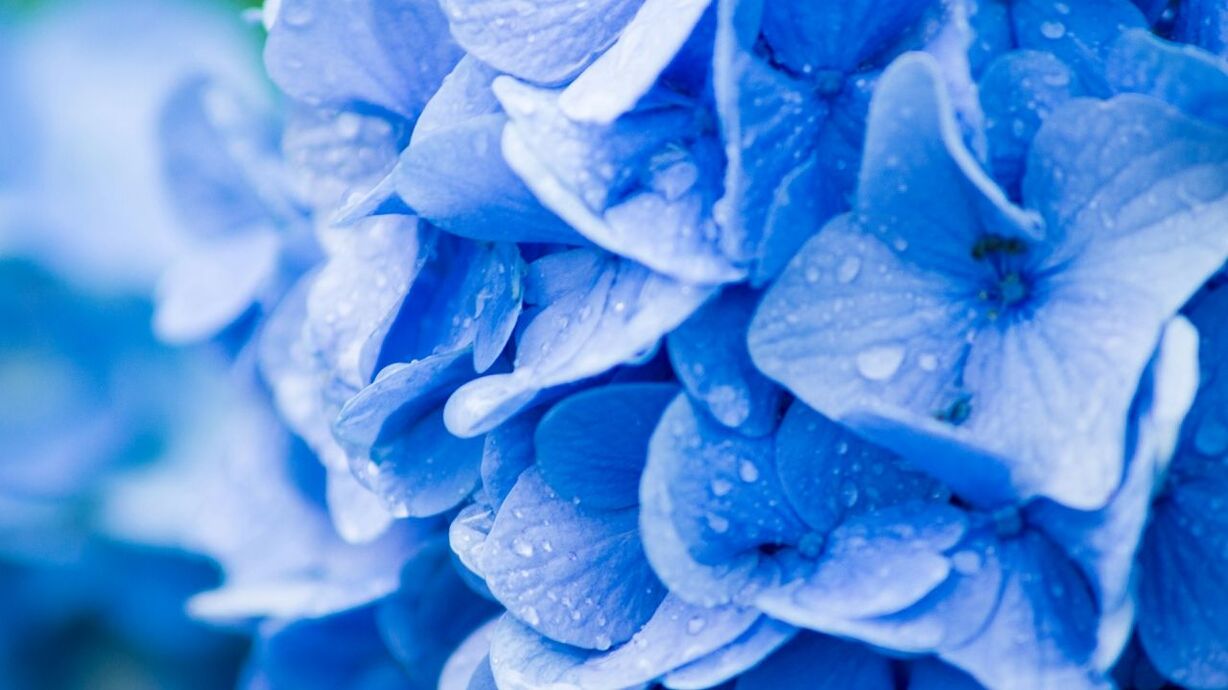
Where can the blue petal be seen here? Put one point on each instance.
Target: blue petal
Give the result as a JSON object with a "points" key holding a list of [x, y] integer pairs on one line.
{"points": [[468, 659], [212, 287], [615, 311], [453, 172], [1189, 79], [446, 309], [1182, 614], [358, 292], [523, 660], [930, 674], [642, 187], [1103, 543], [467, 536], [546, 41], [619, 78], [497, 303], [1203, 23], [591, 447], [818, 662], [1102, 230], [828, 473], [343, 650], [431, 613], [716, 495], [1043, 630], [813, 37], [394, 434], [341, 53], [507, 452], [576, 575], [1077, 33], [871, 565], [1018, 91], [215, 156], [709, 356], [339, 158], [774, 195], [756, 644]]}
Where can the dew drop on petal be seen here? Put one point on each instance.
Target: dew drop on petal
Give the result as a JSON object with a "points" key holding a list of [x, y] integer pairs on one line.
{"points": [[880, 362], [747, 471], [848, 270]]}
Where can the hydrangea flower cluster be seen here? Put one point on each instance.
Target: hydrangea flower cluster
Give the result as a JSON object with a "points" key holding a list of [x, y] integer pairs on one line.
{"points": [[739, 343]]}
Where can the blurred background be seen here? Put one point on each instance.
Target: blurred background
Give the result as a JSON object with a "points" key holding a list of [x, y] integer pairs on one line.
{"points": [[89, 398]]}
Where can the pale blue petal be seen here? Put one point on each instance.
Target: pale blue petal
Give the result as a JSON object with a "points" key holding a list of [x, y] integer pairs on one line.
{"points": [[523, 660], [617, 80], [1194, 82], [546, 41], [391, 54], [764, 637]]}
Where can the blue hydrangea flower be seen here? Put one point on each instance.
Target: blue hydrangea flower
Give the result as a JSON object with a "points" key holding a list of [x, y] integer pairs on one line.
{"points": [[911, 317]]}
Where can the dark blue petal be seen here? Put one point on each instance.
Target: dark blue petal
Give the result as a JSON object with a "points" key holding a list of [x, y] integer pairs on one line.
{"points": [[818, 662], [1018, 91], [591, 447], [575, 575], [546, 41], [468, 659], [341, 651], [813, 37], [931, 674], [507, 452], [1189, 79], [497, 302], [1077, 33], [1182, 614], [1203, 23], [523, 660], [708, 353], [431, 613], [391, 54]]}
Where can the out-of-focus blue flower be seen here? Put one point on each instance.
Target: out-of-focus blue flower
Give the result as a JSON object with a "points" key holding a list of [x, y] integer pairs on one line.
{"points": [[912, 317]]}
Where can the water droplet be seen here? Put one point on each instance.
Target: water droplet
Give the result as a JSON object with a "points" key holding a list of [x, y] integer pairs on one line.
{"points": [[927, 362], [747, 471], [880, 363], [848, 270], [529, 614], [695, 625], [721, 487], [967, 562], [1211, 438], [522, 547], [718, 524], [1052, 30]]}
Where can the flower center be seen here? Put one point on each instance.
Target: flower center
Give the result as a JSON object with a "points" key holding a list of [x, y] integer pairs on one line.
{"points": [[1007, 286], [828, 82]]}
